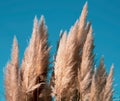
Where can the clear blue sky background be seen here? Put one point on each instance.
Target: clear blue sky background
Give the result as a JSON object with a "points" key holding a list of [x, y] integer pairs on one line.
{"points": [[16, 18]]}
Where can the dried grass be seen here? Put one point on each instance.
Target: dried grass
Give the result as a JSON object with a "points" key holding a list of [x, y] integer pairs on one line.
{"points": [[11, 75], [86, 67], [74, 77]]}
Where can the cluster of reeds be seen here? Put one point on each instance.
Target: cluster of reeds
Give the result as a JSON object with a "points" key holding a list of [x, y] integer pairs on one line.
{"points": [[74, 76]]}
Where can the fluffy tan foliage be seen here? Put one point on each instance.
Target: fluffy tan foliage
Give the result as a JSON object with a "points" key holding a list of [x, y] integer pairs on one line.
{"points": [[11, 75], [74, 77], [108, 92], [86, 67], [36, 61], [66, 66]]}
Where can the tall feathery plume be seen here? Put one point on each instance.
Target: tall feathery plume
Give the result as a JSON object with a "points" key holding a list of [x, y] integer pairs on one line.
{"points": [[59, 68], [11, 75], [42, 61], [66, 66], [43, 51], [108, 91], [82, 32], [86, 67], [35, 64], [28, 73], [99, 84], [101, 79], [52, 80], [73, 49], [83, 29]]}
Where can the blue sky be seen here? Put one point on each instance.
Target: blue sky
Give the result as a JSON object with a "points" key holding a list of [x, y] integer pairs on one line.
{"points": [[16, 18]]}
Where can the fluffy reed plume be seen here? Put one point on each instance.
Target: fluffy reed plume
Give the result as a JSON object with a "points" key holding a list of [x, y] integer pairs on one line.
{"points": [[98, 83], [101, 88], [43, 51], [108, 92], [11, 75], [35, 63], [28, 65], [83, 28], [86, 67], [101, 77], [65, 70], [42, 60]]}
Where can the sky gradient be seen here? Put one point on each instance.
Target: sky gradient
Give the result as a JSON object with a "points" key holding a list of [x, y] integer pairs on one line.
{"points": [[16, 18]]}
